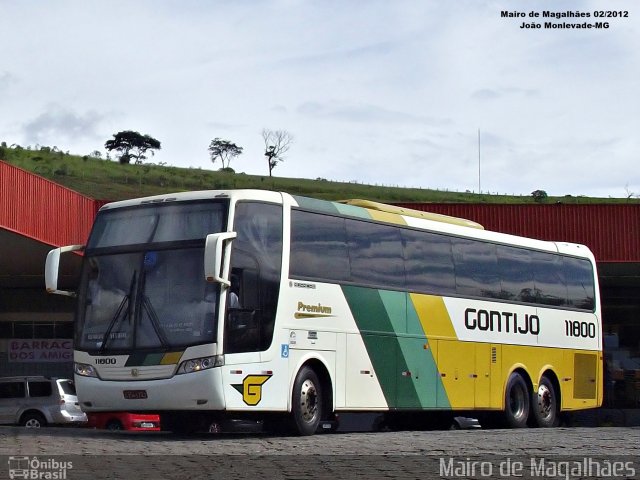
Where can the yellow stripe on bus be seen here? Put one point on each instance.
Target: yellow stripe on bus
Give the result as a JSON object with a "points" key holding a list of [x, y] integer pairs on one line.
{"points": [[433, 316], [171, 358]]}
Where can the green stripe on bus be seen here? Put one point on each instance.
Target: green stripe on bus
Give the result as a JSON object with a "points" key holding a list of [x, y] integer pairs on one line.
{"points": [[153, 359], [429, 384], [143, 359], [398, 347], [135, 360], [325, 206], [353, 211], [317, 205], [373, 316]]}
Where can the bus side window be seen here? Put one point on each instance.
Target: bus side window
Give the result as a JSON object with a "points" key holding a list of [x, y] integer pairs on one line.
{"points": [[256, 256]]}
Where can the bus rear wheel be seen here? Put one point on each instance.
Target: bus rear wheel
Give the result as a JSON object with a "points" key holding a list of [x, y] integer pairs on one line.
{"points": [[307, 407], [517, 402], [544, 404]]}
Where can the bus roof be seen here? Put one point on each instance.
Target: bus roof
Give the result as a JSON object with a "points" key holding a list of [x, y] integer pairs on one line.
{"points": [[409, 212]]}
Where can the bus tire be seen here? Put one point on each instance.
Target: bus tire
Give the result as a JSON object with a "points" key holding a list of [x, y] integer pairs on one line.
{"points": [[516, 402], [307, 406], [544, 405]]}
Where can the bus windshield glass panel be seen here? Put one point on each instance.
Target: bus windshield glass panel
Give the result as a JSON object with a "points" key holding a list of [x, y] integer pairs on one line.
{"points": [[143, 283]]}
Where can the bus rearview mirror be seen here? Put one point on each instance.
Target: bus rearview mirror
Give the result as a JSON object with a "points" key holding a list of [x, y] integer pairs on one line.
{"points": [[52, 269], [215, 269]]}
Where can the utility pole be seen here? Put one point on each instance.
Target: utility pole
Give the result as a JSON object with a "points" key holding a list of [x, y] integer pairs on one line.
{"points": [[479, 184]]}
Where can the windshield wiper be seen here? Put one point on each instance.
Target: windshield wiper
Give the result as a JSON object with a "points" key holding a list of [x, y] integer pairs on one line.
{"points": [[155, 322], [126, 301], [151, 313]]}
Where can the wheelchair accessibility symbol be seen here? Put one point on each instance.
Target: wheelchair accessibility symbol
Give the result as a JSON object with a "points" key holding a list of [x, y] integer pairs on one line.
{"points": [[284, 350]]}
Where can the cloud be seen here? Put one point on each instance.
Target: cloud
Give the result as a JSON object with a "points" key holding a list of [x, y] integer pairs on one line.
{"points": [[363, 113], [6, 79], [58, 123], [496, 93], [392, 93]]}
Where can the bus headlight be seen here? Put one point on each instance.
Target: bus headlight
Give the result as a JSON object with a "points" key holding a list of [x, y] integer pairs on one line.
{"points": [[203, 363], [84, 370]]}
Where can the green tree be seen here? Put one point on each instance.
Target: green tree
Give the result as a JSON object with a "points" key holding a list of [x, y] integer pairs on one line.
{"points": [[276, 144], [539, 195], [132, 145], [223, 150]]}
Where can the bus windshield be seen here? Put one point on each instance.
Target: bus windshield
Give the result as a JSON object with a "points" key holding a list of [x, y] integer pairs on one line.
{"points": [[143, 283]]}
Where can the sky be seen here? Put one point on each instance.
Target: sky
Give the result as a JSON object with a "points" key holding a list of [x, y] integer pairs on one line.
{"points": [[437, 94]]}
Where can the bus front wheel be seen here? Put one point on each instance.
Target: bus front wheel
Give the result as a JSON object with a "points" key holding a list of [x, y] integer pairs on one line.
{"points": [[307, 404], [517, 404], [544, 404]]}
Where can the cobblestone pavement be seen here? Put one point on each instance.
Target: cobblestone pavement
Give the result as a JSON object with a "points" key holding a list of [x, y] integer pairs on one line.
{"points": [[102, 454]]}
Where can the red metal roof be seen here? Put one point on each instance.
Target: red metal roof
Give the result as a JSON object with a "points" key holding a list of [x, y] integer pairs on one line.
{"points": [[611, 231], [43, 210]]}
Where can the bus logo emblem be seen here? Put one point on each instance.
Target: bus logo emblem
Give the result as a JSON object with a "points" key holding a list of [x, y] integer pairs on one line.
{"points": [[251, 388]]}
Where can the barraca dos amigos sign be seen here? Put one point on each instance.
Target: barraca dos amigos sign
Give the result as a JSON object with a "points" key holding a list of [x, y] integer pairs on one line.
{"points": [[40, 350]]}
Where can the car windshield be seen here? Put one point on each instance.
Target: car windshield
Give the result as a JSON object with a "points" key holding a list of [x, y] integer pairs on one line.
{"points": [[143, 283]]}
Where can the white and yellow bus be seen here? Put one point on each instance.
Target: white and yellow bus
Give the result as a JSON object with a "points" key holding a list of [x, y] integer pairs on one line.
{"points": [[202, 305]]}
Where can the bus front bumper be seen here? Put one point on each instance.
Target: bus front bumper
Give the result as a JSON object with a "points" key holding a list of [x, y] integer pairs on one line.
{"points": [[191, 391]]}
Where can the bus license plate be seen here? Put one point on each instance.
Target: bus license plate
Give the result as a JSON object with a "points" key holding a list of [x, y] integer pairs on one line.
{"points": [[135, 394]]}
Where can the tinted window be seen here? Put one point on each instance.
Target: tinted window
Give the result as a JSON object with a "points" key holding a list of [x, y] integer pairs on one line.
{"points": [[64, 330], [68, 387], [23, 330], [12, 389], [375, 252], [368, 254], [318, 247], [256, 261], [428, 262], [580, 284], [43, 330], [39, 389], [151, 299], [476, 266], [548, 279], [516, 275], [157, 223]]}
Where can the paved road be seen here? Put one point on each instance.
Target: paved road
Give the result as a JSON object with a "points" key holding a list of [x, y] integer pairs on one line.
{"points": [[433, 454]]}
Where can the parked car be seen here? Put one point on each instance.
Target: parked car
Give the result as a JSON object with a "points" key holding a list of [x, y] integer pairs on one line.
{"points": [[124, 421], [35, 401]]}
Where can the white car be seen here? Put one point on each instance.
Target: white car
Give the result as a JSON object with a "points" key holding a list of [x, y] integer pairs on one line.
{"points": [[35, 401]]}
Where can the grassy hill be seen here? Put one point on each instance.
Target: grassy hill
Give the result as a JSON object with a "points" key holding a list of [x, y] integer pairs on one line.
{"points": [[109, 180]]}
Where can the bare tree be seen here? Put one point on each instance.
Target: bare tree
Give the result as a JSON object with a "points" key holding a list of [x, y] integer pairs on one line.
{"points": [[276, 144], [630, 194]]}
